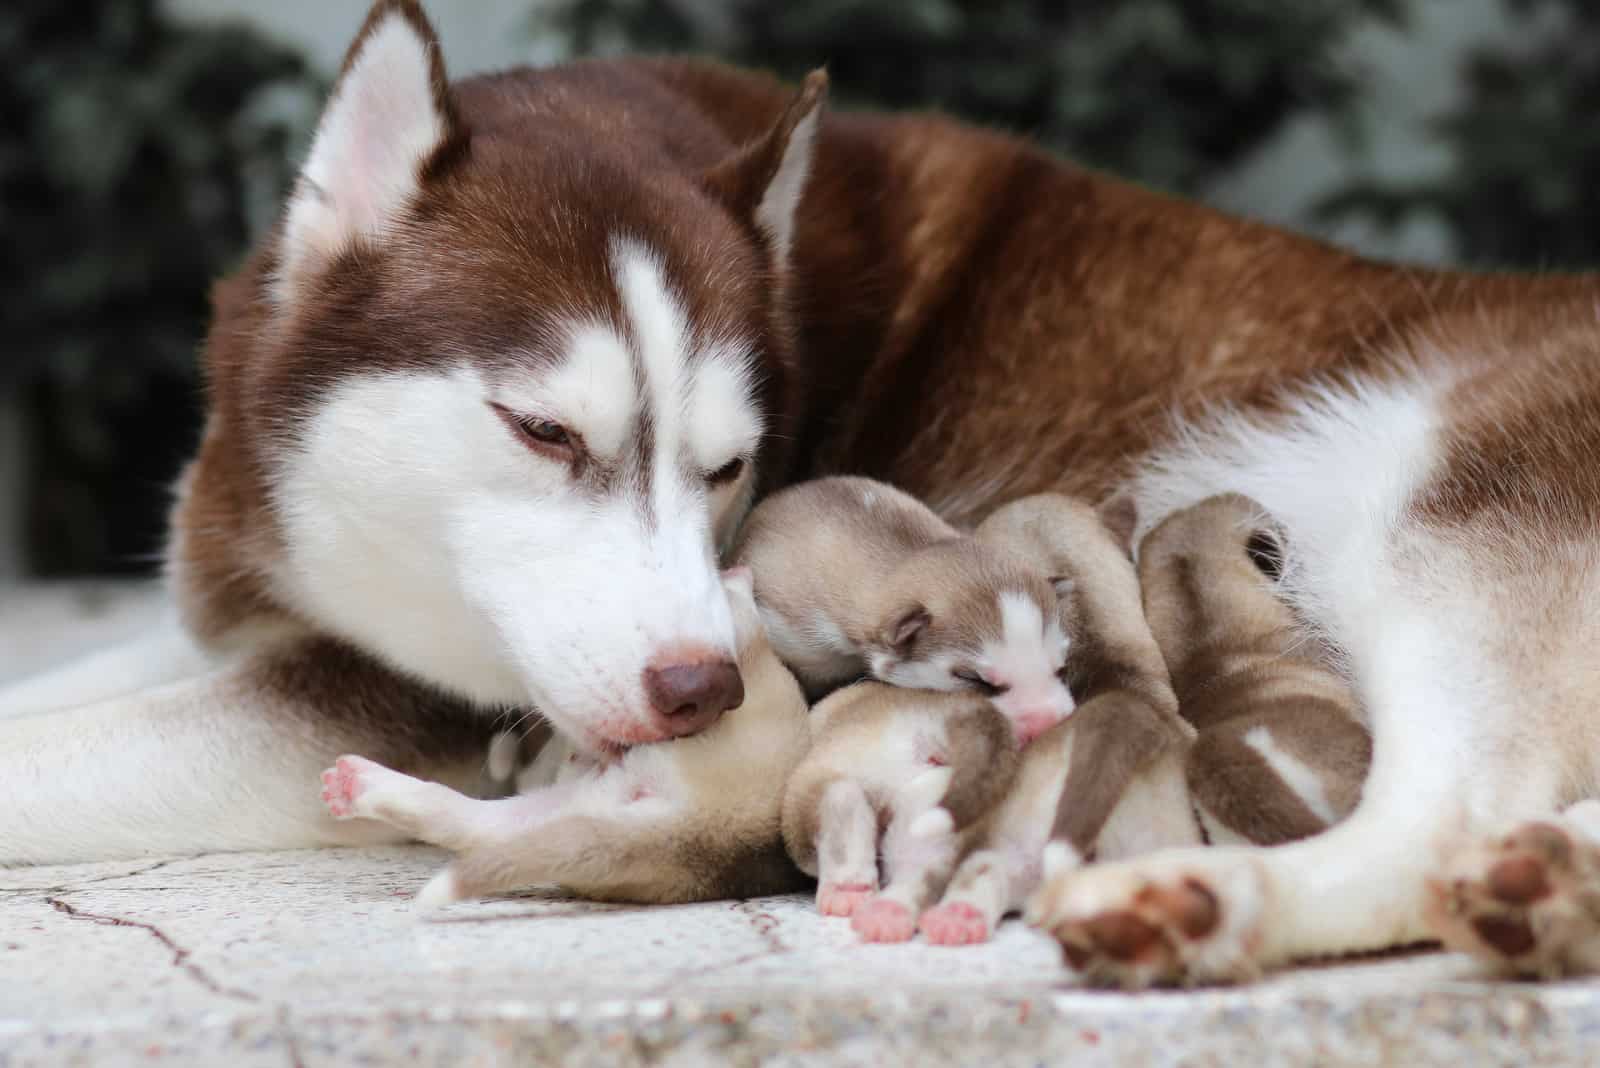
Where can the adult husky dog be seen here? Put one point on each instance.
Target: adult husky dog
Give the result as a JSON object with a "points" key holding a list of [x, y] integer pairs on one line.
{"points": [[523, 349]]}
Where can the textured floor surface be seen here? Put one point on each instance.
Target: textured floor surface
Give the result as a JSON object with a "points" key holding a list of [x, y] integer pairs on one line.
{"points": [[316, 959]]}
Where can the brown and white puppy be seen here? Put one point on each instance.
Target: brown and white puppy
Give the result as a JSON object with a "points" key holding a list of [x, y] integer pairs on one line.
{"points": [[1109, 781], [855, 577], [1282, 751], [893, 773], [1083, 550], [688, 820]]}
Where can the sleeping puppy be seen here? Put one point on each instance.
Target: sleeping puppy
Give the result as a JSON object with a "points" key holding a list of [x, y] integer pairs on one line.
{"points": [[1108, 781], [693, 819], [856, 578], [1282, 750]]}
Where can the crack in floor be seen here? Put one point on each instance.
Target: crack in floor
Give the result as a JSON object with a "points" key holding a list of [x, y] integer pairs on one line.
{"points": [[67, 888], [766, 926], [765, 923], [180, 955], [291, 1040]]}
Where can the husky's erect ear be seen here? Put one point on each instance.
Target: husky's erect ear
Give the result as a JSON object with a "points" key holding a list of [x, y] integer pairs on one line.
{"points": [[390, 117], [765, 179]]}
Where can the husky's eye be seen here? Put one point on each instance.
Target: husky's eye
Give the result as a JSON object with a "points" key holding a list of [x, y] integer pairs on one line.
{"points": [[545, 436], [977, 682], [727, 472], [545, 432]]}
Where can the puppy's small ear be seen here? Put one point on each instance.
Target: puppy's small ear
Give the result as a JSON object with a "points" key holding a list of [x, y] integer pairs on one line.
{"points": [[765, 180], [901, 634], [1120, 516], [1265, 549]]}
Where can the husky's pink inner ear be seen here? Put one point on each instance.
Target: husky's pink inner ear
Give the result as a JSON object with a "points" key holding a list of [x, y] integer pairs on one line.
{"points": [[764, 180], [390, 112]]}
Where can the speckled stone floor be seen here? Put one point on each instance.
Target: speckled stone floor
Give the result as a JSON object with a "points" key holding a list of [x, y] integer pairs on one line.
{"points": [[315, 958]]}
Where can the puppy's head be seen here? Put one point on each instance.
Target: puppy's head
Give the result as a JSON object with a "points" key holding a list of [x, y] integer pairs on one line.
{"points": [[963, 616]]}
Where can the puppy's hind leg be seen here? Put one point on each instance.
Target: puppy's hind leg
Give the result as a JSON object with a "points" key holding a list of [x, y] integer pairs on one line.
{"points": [[847, 848], [585, 836], [981, 892], [358, 788], [920, 848]]}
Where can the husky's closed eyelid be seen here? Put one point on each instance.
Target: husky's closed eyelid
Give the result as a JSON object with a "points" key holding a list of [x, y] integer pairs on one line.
{"points": [[728, 472], [544, 436]]}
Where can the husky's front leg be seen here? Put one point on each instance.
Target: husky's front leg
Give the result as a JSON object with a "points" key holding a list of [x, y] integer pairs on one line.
{"points": [[227, 761]]}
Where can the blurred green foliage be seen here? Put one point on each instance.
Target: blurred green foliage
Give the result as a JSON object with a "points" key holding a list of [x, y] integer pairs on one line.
{"points": [[1168, 92], [1525, 187], [138, 158]]}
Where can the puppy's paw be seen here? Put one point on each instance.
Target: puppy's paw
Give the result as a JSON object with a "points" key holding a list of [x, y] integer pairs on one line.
{"points": [[1526, 902], [954, 923], [841, 899], [348, 785], [883, 920], [1190, 916]]}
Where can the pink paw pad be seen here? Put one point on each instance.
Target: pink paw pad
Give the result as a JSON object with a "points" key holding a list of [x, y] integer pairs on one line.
{"points": [[341, 786], [955, 924], [841, 899], [880, 920]]}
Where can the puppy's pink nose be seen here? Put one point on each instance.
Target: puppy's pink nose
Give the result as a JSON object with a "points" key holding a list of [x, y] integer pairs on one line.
{"points": [[688, 695], [1030, 725]]}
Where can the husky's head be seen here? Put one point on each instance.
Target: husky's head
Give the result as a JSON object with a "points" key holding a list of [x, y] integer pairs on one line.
{"points": [[519, 360]]}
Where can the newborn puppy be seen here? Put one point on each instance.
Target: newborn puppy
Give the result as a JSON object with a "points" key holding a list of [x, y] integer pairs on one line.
{"points": [[1111, 779], [1282, 752], [897, 773], [854, 577], [693, 819]]}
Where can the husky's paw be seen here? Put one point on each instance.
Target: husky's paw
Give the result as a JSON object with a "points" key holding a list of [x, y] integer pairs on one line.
{"points": [[841, 899], [1190, 916], [1526, 902], [954, 923], [346, 786], [883, 920]]}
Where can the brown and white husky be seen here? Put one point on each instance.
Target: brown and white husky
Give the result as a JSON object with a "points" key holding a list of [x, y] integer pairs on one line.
{"points": [[524, 348]]}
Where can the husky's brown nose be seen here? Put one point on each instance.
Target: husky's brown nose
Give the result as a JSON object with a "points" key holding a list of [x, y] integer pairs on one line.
{"points": [[688, 694]]}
